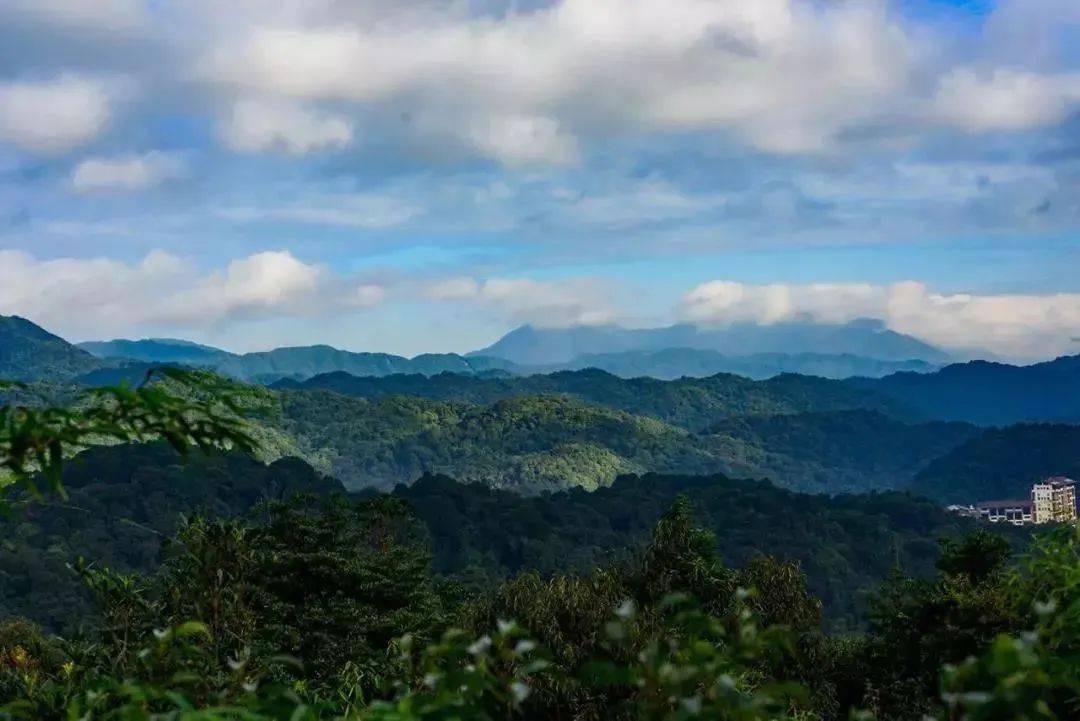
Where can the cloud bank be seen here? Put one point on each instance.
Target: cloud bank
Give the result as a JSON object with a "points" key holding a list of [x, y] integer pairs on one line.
{"points": [[1027, 327], [100, 297]]}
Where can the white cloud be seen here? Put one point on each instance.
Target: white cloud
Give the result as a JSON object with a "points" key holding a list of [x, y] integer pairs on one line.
{"points": [[1014, 325], [562, 303], [519, 140], [1005, 99], [786, 76], [649, 200], [127, 172], [110, 15], [53, 116], [349, 210], [259, 125], [98, 297], [454, 289], [366, 295]]}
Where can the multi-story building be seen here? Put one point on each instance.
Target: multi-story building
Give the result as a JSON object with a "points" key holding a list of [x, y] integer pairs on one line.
{"points": [[1017, 513], [1054, 500]]}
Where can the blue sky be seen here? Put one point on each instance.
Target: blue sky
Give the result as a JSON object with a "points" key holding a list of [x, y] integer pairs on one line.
{"points": [[425, 176]]}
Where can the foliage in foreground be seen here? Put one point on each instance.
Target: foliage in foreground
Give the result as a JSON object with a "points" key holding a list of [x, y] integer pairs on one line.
{"points": [[36, 439], [319, 610], [324, 611]]}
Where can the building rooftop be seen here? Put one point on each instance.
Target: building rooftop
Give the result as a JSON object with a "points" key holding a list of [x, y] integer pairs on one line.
{"points": [[1000, 504], [1059, 481]]}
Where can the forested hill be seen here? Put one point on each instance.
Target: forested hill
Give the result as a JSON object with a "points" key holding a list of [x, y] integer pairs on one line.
{"points": [[296, 362], [988, 393], [672, 363], [1002, 463], [692, 403], [846, 544], [125, 500], [30, 353]]}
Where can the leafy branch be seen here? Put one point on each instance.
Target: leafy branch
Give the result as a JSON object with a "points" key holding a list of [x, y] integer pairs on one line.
{"points": [[207, 416]]}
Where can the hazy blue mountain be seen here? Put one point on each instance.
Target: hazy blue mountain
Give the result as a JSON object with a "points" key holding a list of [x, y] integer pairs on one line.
{"points": [[1002, 463], [297, 362], [529, 345], [308, 361], [671, 363], [988, 393], [155, 350], [28, 352]]}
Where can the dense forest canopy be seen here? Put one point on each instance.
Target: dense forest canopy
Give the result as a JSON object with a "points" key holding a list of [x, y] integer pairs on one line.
{"points": [[123, 501], [193, 580]]}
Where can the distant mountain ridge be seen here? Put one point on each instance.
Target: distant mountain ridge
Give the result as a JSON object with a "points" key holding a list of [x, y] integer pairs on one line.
{"points": [[300, 363], [868, 338], [290, 362], [28, 352], [672, 363], [691, 403], [154, 350], [988, 393], [44, 356]]}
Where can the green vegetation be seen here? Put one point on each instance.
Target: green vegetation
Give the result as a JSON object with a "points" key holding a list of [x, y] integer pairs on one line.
{"points": [[30, 353], [325, 610], [695, 404], [843, 451], [845, 544], [533, 444], [214, 587], [1002, 463], [123, 501], [988, 393], [122, 504], [672, 363]]}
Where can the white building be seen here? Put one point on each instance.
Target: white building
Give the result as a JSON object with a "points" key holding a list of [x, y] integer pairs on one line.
{"points": [[1018, 513], [1054, 500]]}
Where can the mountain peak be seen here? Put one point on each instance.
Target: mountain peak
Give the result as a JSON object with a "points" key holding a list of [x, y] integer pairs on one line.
{"points": [[28, 352], [864, 337]]}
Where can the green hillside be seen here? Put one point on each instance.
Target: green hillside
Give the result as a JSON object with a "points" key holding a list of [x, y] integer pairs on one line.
{"points": [[1002, 463], [126, 500], [841, 451], [534, 444], [988, 393], [30, 353], [847, 544], [692, 403]]}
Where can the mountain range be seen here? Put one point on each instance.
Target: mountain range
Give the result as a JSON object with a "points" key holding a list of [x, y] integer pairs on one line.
{"points": [[866, 338], [861, 348], [293, 362], [548, 432]]}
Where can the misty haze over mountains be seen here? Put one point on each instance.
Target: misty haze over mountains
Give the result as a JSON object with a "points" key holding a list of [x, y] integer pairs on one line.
{"points": [[867, 338], [860, 348]]}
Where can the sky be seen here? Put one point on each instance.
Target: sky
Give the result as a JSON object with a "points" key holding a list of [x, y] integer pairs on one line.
{"points": [[425, 176]]}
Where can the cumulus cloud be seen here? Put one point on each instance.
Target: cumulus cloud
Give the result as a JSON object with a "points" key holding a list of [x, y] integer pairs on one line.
{"points": [[53, 116], [1005, 99], [126, 172], [519, 140], [1013, 325], [786, 76], [260, 125], [92, 297], [553, 304]]}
